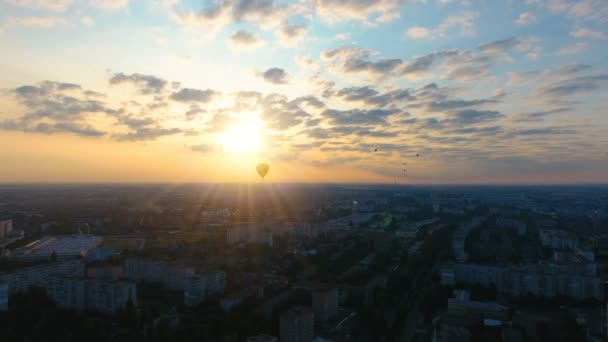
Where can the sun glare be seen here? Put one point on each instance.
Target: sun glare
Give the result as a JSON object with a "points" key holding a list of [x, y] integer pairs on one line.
{"points": [[243, 139]]}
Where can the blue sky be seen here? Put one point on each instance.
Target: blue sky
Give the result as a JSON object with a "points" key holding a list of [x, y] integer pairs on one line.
{"points": [[331, 90]]}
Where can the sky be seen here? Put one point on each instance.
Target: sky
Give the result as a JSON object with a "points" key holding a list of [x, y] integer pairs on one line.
{"points": [[406, 91]]}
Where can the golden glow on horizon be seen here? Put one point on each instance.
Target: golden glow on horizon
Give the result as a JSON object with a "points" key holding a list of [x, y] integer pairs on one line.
{"points": [[243, 139]]}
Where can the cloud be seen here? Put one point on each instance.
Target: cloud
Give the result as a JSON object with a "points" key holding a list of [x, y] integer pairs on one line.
{"points": [[275, 76], [440, 106], [358, 116], [87, 21], [242, 39], [367, 11], [147, 84], [526, 18], [573, 86], [51, 5], [574, 49], [204, 148], [307, 63], [342, 36], [217, 14], [32, 21], [461, 24], [291, 35], [539, 116], [56, 107], [530, 132], [580, 10], [194, 95], [147, 133], [583, 32], [110, 5], [51, 128], [355, 93], [473, 116], [418, 32]]}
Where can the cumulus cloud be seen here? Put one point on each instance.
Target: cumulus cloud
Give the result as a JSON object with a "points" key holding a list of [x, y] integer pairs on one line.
{"points": [[462, 24], [574, 48], [573, 86], [242, 39], [526, 18], [218, 14], [358, 116], [584, 32], [540, 116], [275, 76], [33, 21], [290, 35], [147, 84], [56, 107], [368, 11], [473, 116], [51, 5], [110, 5], [194, 95]]}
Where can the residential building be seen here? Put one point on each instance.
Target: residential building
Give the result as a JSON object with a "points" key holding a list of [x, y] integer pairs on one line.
{"points": [[325, 304], [107, 272], [543, 280], [6, 227], [69, 293], [200, 286], [296, 325], [195, 290], [22, 279], [557, 239], [172, 276], [110, 296], [3, 297]]}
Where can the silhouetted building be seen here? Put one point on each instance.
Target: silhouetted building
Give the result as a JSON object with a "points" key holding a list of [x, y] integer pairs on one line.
{"points": [[23, 279], [3, 297], [297, 325], [325, 304], [6, 227], [172, 276]]}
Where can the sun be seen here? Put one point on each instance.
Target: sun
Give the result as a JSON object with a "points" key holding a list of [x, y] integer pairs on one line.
{"points": [[242, 139]]}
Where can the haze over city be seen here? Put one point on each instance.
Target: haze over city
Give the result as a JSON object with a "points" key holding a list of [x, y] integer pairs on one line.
{"points": [[322, 91]]}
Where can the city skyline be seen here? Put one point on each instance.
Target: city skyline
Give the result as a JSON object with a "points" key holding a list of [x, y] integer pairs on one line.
{"points": [[451, 91]]}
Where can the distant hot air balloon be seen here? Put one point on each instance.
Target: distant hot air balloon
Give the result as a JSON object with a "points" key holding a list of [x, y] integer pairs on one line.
{"points": [[262, 169]]}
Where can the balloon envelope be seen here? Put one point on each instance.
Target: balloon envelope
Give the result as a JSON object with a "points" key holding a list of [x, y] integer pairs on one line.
{"points": [[262, 169]]}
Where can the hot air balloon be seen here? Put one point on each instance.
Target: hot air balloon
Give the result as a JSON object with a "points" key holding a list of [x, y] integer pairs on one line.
{"points": [[262, 169]]}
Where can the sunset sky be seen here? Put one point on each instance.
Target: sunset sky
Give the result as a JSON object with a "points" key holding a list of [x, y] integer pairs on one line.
{"points": [[485, 91]]}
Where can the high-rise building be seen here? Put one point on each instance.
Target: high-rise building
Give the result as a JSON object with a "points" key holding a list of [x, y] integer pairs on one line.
{"points": [[200, 286], [69, 293], [3, 297], [6, 227], [325, 304], [110, 296], [23, 279], [195, 290], [172, 276], [297, 325]]}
